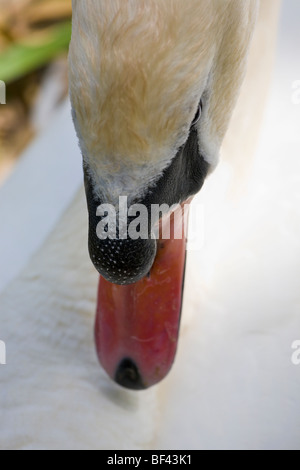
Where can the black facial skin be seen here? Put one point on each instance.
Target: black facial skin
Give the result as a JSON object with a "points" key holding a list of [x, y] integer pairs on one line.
{"points": [[127, 261]]}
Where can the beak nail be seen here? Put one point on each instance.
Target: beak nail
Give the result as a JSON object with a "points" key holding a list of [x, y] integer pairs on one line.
{"points": [[128, 375]]}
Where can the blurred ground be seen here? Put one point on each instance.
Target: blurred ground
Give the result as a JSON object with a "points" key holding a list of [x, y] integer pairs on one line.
{"points": [[34, 36]]}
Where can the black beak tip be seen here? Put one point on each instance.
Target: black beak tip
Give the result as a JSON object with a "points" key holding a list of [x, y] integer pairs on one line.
{"points": [[128, 376]]}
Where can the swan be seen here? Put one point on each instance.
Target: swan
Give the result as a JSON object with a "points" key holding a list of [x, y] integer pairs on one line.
{"points": [[152, 86], [225, 390]]}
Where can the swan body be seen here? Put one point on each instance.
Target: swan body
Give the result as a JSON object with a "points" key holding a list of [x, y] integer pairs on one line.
{"points": [[233, 384]]}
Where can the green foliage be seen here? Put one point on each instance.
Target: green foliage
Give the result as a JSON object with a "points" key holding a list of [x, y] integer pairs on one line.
{"points": [[20, 59]]}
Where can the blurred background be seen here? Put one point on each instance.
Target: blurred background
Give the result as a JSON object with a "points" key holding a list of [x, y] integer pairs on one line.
{"points": [[34, 39]]}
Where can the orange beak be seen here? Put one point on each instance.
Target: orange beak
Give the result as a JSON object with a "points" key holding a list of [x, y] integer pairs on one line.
{"points": [[137, 326]]}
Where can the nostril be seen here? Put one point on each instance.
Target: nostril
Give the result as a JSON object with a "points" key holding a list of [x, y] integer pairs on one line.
{"points": [[128, 375]]}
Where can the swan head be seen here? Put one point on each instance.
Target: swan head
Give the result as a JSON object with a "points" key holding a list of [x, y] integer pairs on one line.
{"points": [[153, 85]]}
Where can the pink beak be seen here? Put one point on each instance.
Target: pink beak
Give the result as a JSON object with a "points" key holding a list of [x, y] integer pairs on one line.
{"points": [[137, 326]]}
